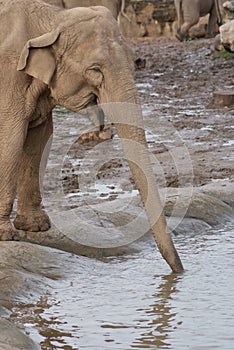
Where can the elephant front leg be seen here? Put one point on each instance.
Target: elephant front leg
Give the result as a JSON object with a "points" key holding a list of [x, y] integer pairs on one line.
{"points": [[12, 135], [30, 216]]}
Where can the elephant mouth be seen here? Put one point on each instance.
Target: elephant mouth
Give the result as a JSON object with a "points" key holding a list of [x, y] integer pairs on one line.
{"points": [[92, 108], [92, 100], [84, 102]]}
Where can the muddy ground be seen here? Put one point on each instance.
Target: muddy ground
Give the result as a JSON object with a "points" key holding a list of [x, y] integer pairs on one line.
{"points": [[183, 77]]}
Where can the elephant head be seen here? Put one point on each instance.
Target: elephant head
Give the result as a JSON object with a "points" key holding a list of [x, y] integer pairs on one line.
{"points": [[82, 59]]}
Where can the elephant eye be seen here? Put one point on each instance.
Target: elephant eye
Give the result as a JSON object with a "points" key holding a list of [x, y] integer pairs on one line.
{"points": [[97, 69], [94, 76]]}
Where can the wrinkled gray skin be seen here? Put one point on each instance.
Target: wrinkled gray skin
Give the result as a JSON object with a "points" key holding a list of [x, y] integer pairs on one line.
{"points": [[113, 5], [70, 58], [189, 12]]}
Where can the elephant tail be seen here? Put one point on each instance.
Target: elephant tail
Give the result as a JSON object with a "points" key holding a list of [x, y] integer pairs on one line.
{"points": [[219, 16]]}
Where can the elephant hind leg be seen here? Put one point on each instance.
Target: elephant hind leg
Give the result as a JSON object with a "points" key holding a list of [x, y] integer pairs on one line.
{"points": [[211, 28], [30, 216], [7, 231]]}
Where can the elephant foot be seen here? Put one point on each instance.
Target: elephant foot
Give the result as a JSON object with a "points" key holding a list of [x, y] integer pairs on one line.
{"points": [[209, 35], [8, 233], [179, 36], [34, 222]]}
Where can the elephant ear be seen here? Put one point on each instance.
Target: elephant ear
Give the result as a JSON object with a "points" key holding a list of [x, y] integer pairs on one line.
{"points": [[37, 59]]}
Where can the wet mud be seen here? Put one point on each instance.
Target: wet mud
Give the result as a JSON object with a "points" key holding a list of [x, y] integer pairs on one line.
{"points": [[179, 80]]}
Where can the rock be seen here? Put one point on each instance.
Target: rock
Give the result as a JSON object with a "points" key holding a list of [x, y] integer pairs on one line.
{"points": [[222, 190], [229, 9], [188, 226], [111, 227], [73, 241], [227, 35], [24, 266], [224, 98], [192, 203], [210, 210], [199, 30], [11, 338], [225, 40], [217, 43]]}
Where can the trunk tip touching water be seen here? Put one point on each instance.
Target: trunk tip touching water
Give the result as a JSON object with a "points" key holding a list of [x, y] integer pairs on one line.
{"points": [[176, 264], [165, 245]]}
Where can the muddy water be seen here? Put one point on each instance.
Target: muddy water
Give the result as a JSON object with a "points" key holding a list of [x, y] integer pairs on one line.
{"points": [[132, 302]]}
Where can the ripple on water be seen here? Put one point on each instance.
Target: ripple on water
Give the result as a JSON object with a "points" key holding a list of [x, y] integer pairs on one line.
{"points": [[120, 303]]}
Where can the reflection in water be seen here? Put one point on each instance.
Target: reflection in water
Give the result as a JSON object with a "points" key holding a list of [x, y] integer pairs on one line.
{"points": [[48, 334], [161, 317]]}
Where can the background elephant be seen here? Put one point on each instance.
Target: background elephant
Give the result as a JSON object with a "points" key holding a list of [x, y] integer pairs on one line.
{"points": [[71, 58], [115, 6], [189, 12]]}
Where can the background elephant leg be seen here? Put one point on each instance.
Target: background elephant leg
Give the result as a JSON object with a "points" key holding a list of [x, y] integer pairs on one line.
{"points": [[12, 135], [212, 22], [184, 32], [30, 216], [191, 13]]}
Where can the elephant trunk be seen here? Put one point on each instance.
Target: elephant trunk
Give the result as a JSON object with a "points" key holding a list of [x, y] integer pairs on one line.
{"points": [[127, 116]]}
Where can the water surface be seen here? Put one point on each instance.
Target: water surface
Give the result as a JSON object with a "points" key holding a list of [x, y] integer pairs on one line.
{"points": [[133, 302]]}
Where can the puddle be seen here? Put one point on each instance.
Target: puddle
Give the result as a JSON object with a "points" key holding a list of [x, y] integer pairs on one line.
{"points": [[143, 85], [229, 143]]}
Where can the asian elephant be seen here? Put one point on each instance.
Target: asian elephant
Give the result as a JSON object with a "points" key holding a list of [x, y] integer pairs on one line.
{"points": [[115, 6], [70, 58], [189, 12]]}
